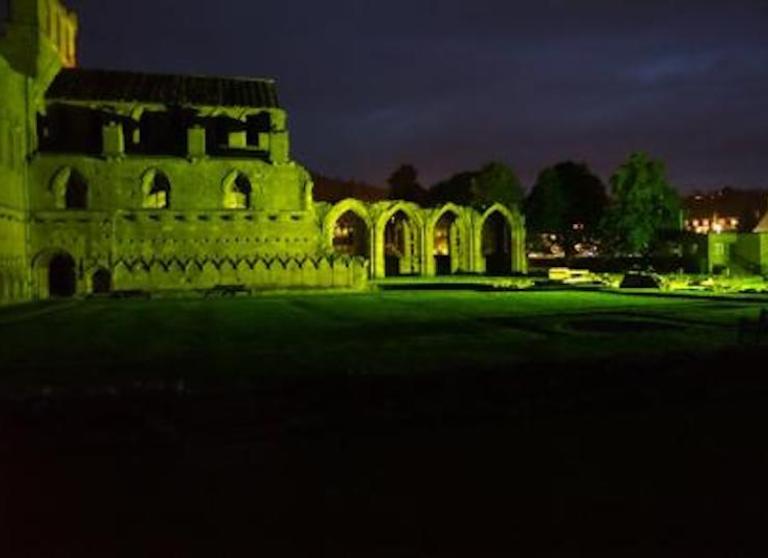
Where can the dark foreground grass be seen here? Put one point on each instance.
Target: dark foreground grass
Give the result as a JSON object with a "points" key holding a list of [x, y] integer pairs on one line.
{"points": [[98, 342], [401, 424]]}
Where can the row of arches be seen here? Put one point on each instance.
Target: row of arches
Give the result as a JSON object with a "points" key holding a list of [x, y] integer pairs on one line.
{"points": [[71, 190], [404, 239], [57, 274]]}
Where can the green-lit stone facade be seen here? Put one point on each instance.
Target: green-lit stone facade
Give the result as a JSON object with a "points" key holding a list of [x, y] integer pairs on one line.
{"points": [[113, 181]]}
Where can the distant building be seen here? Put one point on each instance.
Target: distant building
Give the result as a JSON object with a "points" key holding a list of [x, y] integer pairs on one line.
{"points": [[128, 181], [726, 210]]}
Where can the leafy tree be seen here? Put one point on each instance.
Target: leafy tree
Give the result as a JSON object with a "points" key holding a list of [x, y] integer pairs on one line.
{"points": [[457, 189], [545, 206], [643, 207], [567, 200], [404, 185], [494, 183]]}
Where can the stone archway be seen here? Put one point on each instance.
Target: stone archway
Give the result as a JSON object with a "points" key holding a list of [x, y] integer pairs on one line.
{"points": [[496, 243], [398, 240], [351, 236], [447, 242], [62, 276], [54, 274], [445, 247], [401, 245], [347, 229], [101, 281]]}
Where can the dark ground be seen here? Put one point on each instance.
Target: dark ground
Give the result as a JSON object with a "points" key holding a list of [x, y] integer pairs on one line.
{"points": [[600, 457]]}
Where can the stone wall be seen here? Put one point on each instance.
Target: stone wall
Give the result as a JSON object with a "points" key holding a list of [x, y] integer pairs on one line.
{"points": [[14, 274]]}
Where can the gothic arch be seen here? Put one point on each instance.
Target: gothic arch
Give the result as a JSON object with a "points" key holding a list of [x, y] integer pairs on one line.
{"points": [[454, 246], [70, 189], [513, 218], [54, 274], [412, 229], [237, 190], [499, 251], [101, 280], [337, 211], [410, 209], [155, 189]]}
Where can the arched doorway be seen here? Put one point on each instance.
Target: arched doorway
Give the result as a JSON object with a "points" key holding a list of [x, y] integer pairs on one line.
{"points": [[400, 246], [101, 281], [446, 244], [350, 235], [497, 244], [62, 281]]}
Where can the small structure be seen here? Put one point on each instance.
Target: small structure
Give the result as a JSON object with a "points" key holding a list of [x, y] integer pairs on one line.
{"points": [[732, 252]]}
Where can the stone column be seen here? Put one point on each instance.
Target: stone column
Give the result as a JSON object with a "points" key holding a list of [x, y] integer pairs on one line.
{"points": [[238, 139], [377, 252], [428, 257], [113, 145], [196, 142]]}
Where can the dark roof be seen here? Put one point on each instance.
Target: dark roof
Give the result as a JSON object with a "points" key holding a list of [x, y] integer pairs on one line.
{"points": [[103, 85]]}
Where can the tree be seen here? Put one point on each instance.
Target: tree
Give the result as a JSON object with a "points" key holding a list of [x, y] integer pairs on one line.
{"points": [[404, 185], [567, 200], [457, 189], [494, 183], [643, 207]]}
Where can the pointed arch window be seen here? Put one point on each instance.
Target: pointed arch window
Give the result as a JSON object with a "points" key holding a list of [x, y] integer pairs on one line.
{"points": [[156, 189], [237, 191], [70, 189]]}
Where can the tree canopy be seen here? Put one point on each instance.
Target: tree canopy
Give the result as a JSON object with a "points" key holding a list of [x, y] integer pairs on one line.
{"points": [[404, 185], [567, 200], [493, 183], [643, 206]]}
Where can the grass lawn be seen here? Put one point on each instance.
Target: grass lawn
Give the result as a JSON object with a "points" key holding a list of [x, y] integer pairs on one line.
{"points": [[396, 424], [373, 333]]}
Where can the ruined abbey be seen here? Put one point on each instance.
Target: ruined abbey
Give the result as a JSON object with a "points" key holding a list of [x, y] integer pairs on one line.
{"points": [[128, 182]]}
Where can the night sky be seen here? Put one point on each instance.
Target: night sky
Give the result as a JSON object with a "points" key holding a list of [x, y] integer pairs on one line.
{"points": [[451, 84]]}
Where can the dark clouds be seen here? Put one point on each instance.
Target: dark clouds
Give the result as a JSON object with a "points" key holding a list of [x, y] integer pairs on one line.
{"points": [[450, 84]]}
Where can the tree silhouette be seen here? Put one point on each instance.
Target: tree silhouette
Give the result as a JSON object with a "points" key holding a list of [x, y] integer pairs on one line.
{"points": [[567, 200], [643, 207], [494, 183], [404, 185]]}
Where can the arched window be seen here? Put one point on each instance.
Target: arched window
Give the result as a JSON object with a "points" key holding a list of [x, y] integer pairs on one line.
{"points": [[446, 240], [350, 235], [76, 192], [157, 190], [237, 191], [70, 190]]}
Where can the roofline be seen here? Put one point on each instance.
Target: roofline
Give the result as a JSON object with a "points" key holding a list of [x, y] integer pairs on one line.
{"points": [[176, 75]]}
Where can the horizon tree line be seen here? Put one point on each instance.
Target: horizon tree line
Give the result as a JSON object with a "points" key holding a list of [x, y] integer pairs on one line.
{"points": [[634, 215]]}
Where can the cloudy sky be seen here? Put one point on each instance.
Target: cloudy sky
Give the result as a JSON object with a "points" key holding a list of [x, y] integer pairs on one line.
{"points": [[448, 85]]}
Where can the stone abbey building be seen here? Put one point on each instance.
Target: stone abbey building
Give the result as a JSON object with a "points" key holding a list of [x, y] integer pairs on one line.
{"points": [[116, 181]]}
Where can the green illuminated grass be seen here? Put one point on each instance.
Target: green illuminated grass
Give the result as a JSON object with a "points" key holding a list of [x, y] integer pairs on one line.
{"points": [[391, 332]]}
